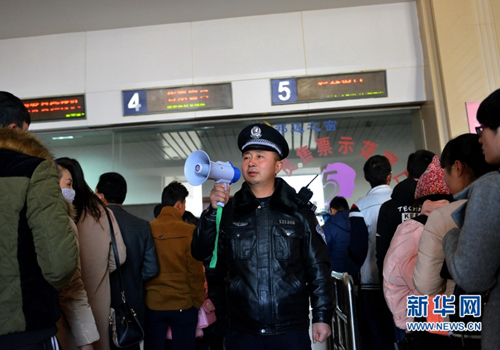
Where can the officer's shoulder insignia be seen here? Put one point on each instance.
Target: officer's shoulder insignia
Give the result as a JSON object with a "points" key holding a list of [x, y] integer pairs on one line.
{"points": [[312, 206]]}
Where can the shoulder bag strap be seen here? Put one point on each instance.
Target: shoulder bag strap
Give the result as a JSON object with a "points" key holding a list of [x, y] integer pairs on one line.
{"points": [[115, 251]]}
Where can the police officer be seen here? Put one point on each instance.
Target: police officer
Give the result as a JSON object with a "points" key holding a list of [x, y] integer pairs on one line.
{"points": [[271, 247]]}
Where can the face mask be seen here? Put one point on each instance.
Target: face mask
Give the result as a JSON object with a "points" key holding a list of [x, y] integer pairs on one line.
{"points": [[68, 194]]}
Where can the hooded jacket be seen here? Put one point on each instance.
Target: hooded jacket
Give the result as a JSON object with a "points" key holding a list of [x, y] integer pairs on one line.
{"points": [[38, 251], [392, 213], [402, 254], [275, 258]]}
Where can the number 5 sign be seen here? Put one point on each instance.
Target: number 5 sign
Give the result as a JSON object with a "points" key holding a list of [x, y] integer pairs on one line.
{"points": [[134, 102], [283, 91]]}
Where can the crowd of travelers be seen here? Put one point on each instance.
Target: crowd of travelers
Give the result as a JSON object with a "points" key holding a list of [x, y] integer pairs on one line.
{"points": [[415, 252]]}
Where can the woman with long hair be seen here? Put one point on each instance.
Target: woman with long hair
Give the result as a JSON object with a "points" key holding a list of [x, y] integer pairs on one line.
{"points": [[96, 252], [76, 329]]}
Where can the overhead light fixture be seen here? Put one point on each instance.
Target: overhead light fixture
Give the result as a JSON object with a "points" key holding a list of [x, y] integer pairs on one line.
{"points": [[63, 138]]}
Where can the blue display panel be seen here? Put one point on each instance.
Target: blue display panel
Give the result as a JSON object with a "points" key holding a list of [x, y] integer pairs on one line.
{"points": [[134, 102], [284, 91]]}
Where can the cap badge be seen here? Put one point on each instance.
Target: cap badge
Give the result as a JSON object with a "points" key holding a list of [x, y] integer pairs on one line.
{"points": [[255, 133]]}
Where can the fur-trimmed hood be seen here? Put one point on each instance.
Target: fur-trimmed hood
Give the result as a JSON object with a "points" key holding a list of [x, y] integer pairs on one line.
{"points": [[283, 199], [23, 142]]}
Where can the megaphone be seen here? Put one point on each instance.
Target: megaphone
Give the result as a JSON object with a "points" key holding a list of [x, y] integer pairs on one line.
{"points": [[198, 169]]}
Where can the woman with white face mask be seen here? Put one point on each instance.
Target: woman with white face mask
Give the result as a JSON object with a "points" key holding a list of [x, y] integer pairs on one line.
{"points": [[76, 327], [66, 183], [96, 252]]}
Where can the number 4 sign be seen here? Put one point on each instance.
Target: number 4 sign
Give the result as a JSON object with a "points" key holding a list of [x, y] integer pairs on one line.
{"points": [[283, 91], [134, 102]]}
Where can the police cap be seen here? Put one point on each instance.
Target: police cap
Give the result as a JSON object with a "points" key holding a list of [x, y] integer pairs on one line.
{"points": [[262, 136]]}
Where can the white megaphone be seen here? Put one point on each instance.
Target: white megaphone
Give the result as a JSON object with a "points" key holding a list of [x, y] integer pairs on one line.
{"points": [[198, 169]]}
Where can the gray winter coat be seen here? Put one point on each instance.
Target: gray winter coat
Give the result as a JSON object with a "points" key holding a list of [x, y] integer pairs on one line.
{"points": [[473, 250]]}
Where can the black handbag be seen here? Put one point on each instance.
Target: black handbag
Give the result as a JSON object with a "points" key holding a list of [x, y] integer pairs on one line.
{"points": [[457, 292], [468, 318], [124, 327]]}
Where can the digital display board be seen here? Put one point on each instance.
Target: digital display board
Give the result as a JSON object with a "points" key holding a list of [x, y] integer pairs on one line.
{"points": [[56, 108], [332, 87], [177, 99]]}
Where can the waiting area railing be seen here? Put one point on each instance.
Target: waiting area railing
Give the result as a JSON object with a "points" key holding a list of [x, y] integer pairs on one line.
{"points": [[344, 323]]}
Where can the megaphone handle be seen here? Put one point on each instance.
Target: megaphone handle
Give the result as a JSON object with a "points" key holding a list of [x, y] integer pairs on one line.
{"points": [[213, 261], [220, 204]]}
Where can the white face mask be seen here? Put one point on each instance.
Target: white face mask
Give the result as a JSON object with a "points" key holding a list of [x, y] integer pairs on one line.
{"points": [[68, 194]]}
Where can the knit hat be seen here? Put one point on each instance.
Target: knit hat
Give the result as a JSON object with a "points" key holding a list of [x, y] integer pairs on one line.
{"points": [[432, 181]]}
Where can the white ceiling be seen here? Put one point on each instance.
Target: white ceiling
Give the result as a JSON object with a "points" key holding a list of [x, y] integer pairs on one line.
{"points": [[25, 18]]}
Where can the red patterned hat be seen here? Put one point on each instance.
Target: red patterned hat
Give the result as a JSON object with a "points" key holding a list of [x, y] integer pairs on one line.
{"points": [[432, 181]]}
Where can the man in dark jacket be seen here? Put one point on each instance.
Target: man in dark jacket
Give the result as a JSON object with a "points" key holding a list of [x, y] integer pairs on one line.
{"points": [[401, 205], [272, 247], [142, 262], [38, 251]]}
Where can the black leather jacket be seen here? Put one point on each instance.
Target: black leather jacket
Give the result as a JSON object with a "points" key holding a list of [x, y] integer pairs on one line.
{"points": [[275, 260]]}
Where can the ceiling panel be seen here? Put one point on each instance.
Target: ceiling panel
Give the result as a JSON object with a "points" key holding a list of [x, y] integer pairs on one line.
{"points": [[25, 18]]}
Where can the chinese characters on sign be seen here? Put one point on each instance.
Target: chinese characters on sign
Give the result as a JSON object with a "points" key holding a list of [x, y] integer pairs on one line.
{"points": [[324, 148], [288, 167], [346, 145]]}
